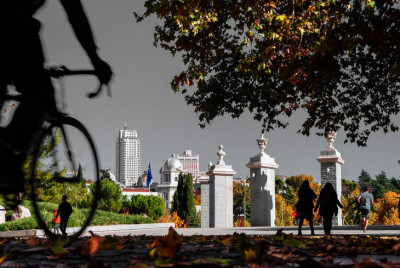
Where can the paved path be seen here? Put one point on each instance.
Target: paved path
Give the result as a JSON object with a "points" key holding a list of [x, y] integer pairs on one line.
{"points": [[336, 230], [134, 251], [162, 229]]}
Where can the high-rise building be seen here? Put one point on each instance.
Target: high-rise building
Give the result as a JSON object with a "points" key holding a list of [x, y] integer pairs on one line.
{"points": [[128, 163], [190, 163]]}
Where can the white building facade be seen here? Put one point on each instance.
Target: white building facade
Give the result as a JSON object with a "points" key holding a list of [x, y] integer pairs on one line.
{"points": [[169, 174], [128, 162]]}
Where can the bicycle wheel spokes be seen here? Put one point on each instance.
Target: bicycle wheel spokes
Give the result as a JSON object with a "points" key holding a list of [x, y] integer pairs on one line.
{"points": [[66, 164]]}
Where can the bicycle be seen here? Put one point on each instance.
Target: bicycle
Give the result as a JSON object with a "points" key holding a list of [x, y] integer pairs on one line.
{"points": [[353, 217], [62, 154]]}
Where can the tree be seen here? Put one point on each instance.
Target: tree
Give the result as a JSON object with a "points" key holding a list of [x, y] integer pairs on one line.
{"points": [[110, 193], [295, 182], [238, 199], [287, 212], [364, 179], [348, 187], [78, 191], [183, 202], [153, 206], [381, 185], [351, 207], [279, 184], [336, 60], [387, 209]]}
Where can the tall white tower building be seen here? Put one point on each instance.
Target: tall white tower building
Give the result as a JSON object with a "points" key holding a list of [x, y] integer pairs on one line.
{"points": [[128, 157]]}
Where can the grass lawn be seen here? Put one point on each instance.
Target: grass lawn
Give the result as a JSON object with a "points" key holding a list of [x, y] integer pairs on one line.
{"points": [[100, 218]]}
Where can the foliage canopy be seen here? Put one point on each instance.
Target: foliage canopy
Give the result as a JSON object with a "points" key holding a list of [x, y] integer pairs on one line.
{"points": [[336, 60]]}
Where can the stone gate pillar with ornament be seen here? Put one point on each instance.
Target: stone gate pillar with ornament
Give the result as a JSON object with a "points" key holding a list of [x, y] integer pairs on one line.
{"points": [[331, 171], [220, 193], [262, 187]]}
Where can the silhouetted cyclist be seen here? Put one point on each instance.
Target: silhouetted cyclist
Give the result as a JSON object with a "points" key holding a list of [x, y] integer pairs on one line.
{"points": [[22, 65]]}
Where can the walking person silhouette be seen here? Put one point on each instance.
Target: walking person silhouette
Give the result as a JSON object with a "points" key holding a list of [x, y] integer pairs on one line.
{"points": [[22, 65], [305, 205], [327, 204], [64, 211]]}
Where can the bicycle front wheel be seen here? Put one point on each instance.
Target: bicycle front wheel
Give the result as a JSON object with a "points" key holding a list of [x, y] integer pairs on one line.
{"points": [[64, 162]]}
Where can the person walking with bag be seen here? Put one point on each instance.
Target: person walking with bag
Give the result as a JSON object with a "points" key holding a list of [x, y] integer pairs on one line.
{"points": [[305, 205], [328, 204]]}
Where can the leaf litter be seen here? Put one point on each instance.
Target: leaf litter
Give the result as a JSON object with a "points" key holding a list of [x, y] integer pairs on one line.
{"points": [[173, 250]]}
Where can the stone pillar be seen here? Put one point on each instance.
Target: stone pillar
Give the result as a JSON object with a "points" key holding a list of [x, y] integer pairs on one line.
{"points": [[331, 171], [262, 187], [205, 204], [2, 215], [221, 193]]}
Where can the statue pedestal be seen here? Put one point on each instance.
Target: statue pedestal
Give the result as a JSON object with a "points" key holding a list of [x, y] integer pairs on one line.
{"points": [[220, 193], [262, 187], [331, 171]]}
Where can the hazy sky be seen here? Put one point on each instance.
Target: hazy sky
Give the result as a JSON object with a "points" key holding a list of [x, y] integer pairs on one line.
{"points": [[165, 124]]}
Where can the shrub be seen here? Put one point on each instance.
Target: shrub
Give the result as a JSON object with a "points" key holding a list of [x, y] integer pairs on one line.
{"points": [[110, 195], [153, 206], [194, 220], [100, 218], [108, 218], [21, 224]]}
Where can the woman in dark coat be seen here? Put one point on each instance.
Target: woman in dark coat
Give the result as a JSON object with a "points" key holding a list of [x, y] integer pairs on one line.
{"points": [[328, 203], [305, 205]]}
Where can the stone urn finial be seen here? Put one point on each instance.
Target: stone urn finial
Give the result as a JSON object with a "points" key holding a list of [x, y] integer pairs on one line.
{"points": [[330, 137], [262, 143], [221, 154]]}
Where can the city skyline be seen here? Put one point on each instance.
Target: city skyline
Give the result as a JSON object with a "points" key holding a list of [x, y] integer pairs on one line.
{"points": [[142, 97]]}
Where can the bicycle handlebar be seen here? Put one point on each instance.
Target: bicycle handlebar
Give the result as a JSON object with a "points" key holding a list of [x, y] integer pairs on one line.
{"points": [[60, 71]]}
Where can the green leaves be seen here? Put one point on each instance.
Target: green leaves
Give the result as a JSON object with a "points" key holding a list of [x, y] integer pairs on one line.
{"points": [[183, 201], [336, 60]]}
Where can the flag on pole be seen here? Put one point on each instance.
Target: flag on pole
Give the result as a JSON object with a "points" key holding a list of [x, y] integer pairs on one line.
{"points": [[149, 176]]}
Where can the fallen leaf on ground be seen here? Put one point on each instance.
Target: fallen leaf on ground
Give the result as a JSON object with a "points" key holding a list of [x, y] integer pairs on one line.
{"points": [[90, 247], [396, 247], [223, 262], [32, 242], [2, 258], [167, 246], [295, 243], [57, 246], [250, 255]]}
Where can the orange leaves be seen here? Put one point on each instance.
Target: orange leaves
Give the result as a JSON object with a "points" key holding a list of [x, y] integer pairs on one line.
{"points": [[167, 246], [90, 247], [179, 223], [386, 209], [250, 255], [2, 258]]}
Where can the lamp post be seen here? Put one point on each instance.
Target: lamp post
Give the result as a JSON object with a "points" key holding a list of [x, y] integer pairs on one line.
{"points": [[245, 184], [282, 192]]}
